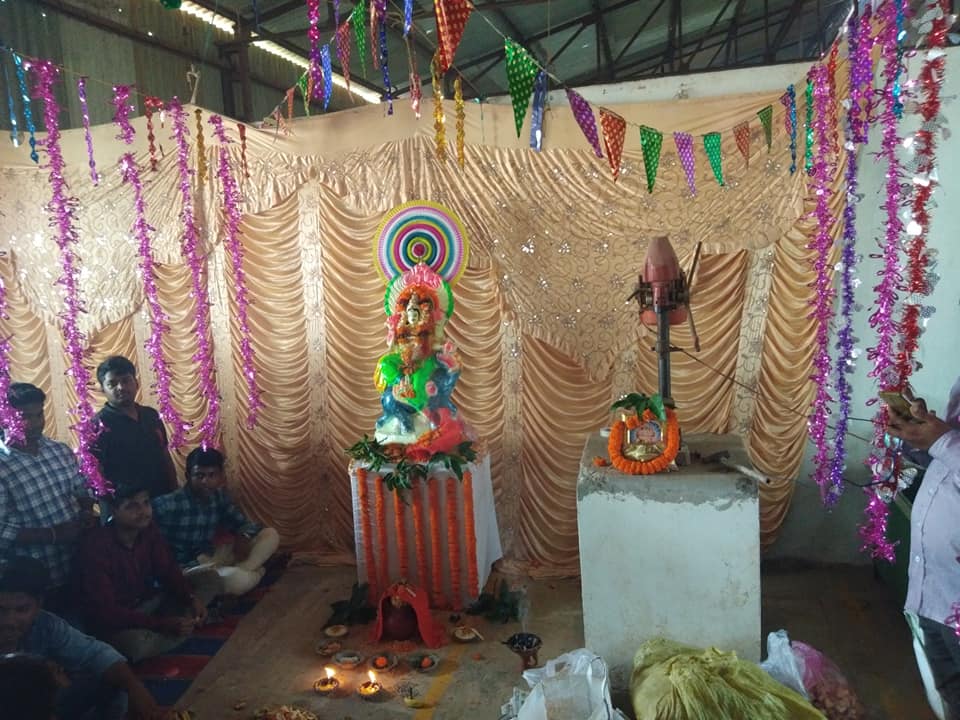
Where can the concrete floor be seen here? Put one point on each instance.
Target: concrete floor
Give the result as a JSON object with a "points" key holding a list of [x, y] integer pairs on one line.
{"points": [[270, 659]]}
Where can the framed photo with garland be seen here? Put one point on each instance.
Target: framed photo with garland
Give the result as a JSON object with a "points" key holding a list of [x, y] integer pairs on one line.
{"points": [[645, 441]]}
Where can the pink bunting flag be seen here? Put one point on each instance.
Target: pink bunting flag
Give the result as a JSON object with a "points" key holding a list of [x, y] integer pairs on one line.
{"points": [[343, 51], [585, 119], [684, 143], [741, 133]]}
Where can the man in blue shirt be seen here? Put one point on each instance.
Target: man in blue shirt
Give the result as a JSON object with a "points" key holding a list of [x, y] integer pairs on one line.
{"points": [[100, 682], [190, 517]]}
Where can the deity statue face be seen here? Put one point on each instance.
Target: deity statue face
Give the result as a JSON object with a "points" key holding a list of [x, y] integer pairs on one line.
{"points": [[415, 330]]}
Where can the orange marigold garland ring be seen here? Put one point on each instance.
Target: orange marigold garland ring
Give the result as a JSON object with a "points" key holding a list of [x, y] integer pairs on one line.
{"points": [[648, 440]]}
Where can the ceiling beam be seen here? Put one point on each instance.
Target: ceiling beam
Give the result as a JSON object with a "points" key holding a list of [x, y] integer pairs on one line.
{"points": [[276, 12], [603, 41], [792, 14], [730, 47], [482, 7], [709, 32], [673, 29], [640, 29]]}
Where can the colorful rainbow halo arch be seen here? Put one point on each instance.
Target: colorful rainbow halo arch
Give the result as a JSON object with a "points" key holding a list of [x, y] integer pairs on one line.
{"points": [[421, 232]]}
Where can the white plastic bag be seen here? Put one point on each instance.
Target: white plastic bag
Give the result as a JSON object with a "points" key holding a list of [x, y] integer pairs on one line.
{"points": [[574, 686], [782, 664]]}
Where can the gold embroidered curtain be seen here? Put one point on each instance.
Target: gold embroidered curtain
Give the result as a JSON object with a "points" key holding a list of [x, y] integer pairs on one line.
{"points": [[546, 338]]}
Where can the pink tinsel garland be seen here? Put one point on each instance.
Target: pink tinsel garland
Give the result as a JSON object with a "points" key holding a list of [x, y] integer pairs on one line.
{"points": [[210, 426], [130, 173], [231, 208], [62, 208]]}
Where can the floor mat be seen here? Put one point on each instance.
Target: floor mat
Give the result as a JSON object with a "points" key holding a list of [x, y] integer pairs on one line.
{"points": [[168, 676]]}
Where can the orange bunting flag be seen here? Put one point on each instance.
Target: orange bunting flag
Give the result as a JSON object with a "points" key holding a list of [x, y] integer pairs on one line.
{"points": [[452, 18], [614, 130], [741, 133], [290, 103]]}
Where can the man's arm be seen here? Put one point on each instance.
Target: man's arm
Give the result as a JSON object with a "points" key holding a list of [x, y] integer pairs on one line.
{"points": [[119, 675], [170, 470], [165, 568], [234, 519]]}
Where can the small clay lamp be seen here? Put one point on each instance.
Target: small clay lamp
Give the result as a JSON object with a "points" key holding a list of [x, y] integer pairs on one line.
{"points": [[327, 685], [370, 689]]}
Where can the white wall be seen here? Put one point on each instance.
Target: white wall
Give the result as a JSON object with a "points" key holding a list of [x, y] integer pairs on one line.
{"points": [[809, 532]]}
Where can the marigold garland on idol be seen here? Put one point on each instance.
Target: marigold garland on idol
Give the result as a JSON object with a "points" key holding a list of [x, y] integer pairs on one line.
{"points": [[648, 440]]}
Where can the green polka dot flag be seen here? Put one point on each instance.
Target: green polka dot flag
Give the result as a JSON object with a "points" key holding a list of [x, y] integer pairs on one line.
{"points": [[521, 74]]}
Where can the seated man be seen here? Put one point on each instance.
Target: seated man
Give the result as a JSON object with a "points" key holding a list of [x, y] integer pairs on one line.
{"points": [[121, 565], [189, 519], [43, 500], [95, 681], [133, 445]]}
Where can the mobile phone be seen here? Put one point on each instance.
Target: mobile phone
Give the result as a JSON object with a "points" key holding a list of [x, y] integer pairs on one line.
{"points": [[898, 403]]}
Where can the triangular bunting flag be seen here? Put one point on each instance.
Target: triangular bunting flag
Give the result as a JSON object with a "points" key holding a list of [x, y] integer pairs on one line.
{"points": [[651, 142], [614, 130], [343, 51], [304, 86], [378, 14], [439, 131], [358, 20], [290, 93], [741, 133], [382, 38], [452, 18], [521, 74], [416, 92], [766, 119], [711, 145], [407, 16], [585, 119], [684, 143]]}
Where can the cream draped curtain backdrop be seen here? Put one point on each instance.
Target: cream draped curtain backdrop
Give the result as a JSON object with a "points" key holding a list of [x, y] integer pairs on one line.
{"points": [[546, 337]]}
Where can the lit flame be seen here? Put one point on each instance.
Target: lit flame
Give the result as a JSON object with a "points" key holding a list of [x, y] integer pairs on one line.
{"points": [[329, 672], [372, 676]]}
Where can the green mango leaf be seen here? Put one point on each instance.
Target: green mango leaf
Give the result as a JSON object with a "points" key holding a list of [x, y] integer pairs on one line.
{"points": [[655, 404]]}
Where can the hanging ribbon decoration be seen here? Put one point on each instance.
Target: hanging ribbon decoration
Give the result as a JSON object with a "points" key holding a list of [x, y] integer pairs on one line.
{"points": [[860, 45], [461, 121], [846, 353], [233, 246], [357, 19], [521, 74], [651, 143], [407, 16], [27, 110], [85, 114], [583, 114], [242, 131], [383, 64], [289, 97], [536, 112], [452, 16], [313, 34], [440, 135], [12, 110], [882, 462], [416, 91], [808, 128], [327, 76], [614, 129], [684, 143], [789, 102], [741, 133], [306, 89], [130, 173], [150, 105], [190, 247], [766, 120], [378, 14], [11, 419], [712, 146], [62, 209], [201, 150], [343, 51], [822, 301]]}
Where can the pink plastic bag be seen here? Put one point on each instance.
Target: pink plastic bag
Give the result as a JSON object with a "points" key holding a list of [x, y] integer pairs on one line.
{"points": [[826, 686]]}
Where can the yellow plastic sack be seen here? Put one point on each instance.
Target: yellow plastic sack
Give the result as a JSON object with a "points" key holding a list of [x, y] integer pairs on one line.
{"points": [[671, 681]]}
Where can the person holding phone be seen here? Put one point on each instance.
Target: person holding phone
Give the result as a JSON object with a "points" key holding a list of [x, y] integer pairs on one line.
{"points": [[934, 575]]}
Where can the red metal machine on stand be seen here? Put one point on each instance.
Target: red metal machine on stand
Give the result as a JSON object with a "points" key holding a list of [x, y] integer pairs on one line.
{"points": [[663, 294]]}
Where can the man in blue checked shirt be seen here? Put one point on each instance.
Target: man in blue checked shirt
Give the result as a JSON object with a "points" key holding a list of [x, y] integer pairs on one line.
{"points": [[44, 503], [96, 681], [190, 517]]}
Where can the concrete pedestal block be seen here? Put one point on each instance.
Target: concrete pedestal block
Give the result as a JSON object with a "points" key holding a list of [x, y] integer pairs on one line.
{"points": [[675, 555]]}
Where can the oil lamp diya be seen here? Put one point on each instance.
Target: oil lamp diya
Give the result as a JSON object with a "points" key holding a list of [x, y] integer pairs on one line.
{"points": [[328, 684], [371, 688]]}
